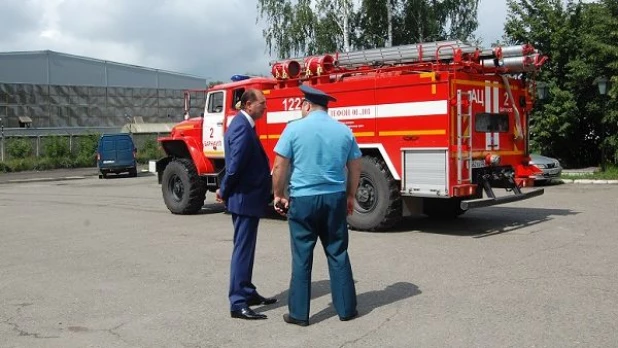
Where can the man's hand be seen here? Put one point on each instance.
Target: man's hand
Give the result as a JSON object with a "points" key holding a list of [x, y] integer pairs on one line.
{"points": [[281, 205], [351, 200], [218, 197], [354, 169]]}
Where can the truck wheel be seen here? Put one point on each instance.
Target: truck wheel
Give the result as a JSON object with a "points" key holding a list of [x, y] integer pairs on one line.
{"points": [[183, 190], [378, 202], [133, 172], [442, 208]]}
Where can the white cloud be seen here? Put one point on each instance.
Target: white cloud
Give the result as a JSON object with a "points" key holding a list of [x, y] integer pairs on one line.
{"points": [[491, 17], [209, 38]]}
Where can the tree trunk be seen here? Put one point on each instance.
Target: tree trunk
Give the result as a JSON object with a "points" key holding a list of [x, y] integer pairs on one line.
{"points": [[389, 18], [346, 27]]}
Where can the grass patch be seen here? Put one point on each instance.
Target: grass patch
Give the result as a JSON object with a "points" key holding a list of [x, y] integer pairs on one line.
{"points": [[610, 173]]}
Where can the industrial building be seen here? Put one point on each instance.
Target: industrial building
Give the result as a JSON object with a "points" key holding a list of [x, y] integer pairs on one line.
{"points": [[47, 89]]}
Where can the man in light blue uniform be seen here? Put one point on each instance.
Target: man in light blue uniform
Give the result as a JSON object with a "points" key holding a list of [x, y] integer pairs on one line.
{"points": [[324, 160]]}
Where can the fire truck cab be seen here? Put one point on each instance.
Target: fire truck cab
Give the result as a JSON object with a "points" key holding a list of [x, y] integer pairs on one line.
{"points": [[441, 125]]}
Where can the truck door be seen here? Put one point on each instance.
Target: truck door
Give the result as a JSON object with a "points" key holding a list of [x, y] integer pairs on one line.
{"points": [[212, 129]]}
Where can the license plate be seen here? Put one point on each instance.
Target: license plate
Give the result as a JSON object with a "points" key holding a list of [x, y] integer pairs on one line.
{"points": [[553, 171], [478, 163], [107, 162]]}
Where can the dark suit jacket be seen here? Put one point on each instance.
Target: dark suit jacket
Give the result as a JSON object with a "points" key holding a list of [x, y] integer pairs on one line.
{"points": [[246, 186]]}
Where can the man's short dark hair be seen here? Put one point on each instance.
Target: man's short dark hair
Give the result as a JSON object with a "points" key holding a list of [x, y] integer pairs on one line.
{"points": [[248, 95]]}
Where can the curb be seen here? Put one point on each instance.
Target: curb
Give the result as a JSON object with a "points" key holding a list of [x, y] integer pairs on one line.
{"points": [[62, 178], [66, 178], [589, 182]]}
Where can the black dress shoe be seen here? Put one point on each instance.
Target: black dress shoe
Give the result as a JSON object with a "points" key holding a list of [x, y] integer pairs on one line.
{"points": [[349, 317], [288, 319], [247, 313], [259, 300]]}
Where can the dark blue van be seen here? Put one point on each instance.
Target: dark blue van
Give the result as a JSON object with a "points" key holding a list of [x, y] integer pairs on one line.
{"points": [[116, 154]]}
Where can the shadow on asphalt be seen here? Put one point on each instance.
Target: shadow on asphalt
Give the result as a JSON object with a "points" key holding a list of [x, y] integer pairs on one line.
{"points": [[212, 208], [112, 176], [367, 301], [483, 222], [477, 223], [371, 300], [216, 208]]}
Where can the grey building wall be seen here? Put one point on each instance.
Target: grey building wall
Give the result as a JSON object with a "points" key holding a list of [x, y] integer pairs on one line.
{"points": [[59, 90]]}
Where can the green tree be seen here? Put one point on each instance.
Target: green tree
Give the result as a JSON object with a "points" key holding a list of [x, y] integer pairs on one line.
{"points": [[600, 58], [214, 83], [575, 123], [371, 22], [420, 22], [305, 27]]}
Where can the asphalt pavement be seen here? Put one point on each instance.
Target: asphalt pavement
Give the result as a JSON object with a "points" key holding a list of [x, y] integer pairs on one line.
{"points": [[103, 263]]}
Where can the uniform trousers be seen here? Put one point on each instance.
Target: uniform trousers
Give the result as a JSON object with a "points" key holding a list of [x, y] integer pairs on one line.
{"points": [[324, 217]]}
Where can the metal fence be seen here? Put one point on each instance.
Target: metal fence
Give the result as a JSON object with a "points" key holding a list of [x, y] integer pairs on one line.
{"points": [[38, 142]]}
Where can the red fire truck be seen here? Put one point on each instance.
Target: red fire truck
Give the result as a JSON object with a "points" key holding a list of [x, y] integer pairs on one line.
{"points": [[441, 125]]}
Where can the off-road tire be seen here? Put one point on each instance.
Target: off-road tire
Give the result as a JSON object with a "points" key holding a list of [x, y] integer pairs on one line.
{"points": [[442, 208], [183, 190], [378, 201]]}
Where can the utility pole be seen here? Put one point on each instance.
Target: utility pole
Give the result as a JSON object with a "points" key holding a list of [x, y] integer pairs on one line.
{"points": [[130, 124], [2, 140]]}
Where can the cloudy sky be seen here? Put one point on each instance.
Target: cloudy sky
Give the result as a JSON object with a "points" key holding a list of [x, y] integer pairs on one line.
{"points": [[213, 39]]}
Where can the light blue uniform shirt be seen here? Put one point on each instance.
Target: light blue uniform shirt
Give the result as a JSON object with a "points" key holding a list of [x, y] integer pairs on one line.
{"points": [[318, 148]]}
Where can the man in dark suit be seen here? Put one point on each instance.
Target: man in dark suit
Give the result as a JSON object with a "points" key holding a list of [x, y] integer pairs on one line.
{"points": [[245, 189]]}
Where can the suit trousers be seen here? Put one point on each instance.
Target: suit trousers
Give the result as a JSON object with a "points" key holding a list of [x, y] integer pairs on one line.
{"points": [[241, 270], [324, 217]]}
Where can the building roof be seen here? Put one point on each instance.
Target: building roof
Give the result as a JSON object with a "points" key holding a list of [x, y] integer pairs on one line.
{"points": [[75, 56], [56, 68]]}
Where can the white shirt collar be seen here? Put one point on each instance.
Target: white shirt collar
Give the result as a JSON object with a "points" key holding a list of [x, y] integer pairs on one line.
{"points": [[251, 121]]}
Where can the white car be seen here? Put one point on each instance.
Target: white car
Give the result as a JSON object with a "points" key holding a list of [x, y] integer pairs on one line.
{"points": [[550, 166]]}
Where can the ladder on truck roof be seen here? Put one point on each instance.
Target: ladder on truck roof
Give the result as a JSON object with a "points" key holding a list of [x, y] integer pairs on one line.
{"points": [[514, 58], [413, 53], [508, 59]]}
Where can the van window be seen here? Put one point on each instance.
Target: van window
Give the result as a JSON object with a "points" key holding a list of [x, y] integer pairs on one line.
{"points": [[123, 144], [107, 145], [491, 123]]}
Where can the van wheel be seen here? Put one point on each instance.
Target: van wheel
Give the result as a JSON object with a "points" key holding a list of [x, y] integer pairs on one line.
{"points": [[378, 201], [183, 190], [133, 172]]}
